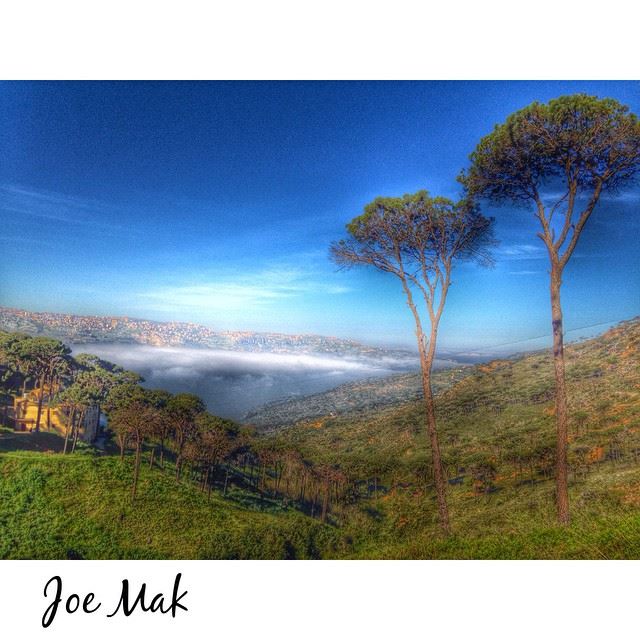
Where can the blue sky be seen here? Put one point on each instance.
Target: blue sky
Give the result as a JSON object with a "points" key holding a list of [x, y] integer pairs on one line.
{"points": [[216, 202]]}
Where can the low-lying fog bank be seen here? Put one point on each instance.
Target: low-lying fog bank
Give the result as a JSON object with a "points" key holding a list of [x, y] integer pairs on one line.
{"points": [[233, 383]]}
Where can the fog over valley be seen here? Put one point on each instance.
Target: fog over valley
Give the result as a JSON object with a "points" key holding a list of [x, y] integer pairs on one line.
{"points": [[233, 383]]}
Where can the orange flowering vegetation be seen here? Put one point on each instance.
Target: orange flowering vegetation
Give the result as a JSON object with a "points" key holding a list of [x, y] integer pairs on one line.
{"points": [[596, 454], [631, 494]]}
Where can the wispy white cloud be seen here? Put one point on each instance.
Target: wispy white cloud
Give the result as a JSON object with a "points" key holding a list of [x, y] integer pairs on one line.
{"points": [[45, 205], [524, 272], [17, 242], [237, 292], [519, 252], [622, 195]]}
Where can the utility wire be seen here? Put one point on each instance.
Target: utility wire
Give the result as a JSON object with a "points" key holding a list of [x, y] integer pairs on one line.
{"points": [[546, 335]]}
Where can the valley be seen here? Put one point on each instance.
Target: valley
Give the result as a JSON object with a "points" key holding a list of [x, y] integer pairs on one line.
{"points": [[357, 482]]}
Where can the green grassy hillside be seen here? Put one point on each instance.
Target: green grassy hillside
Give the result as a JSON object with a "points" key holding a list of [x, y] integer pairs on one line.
{"points": [[502, 411], [497, 432], [79, 506], [510, 524], [498, 435]]}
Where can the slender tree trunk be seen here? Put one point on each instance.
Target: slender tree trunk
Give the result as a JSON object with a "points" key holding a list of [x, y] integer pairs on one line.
{"points": [[69, 429], [77, 430], [303, 486], [49, 398], [153, 453], [226, 481], [325, 503], [97, 419], [562, 490], [179, 443], [426, 363], [40, 398], [205, 482], [121, 443], [277, 485], [136, 469]]}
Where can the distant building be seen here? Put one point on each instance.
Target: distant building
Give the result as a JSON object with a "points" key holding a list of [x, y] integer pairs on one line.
{"points": [[24, 413]]}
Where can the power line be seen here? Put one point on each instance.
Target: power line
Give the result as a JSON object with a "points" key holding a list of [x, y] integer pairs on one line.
{"points": [[547, 335]]}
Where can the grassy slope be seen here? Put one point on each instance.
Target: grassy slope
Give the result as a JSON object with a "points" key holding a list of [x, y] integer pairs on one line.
{"points": [[510, 524], [504, 406], [79, 506], [503, 414], [53, 506]]}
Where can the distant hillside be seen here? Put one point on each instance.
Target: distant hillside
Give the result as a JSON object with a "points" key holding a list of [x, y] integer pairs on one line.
{"points": [[351, 398], [502, 410], [92, 329]]}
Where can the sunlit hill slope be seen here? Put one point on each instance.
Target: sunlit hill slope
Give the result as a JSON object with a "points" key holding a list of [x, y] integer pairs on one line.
{"points": [[497, 432]]}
